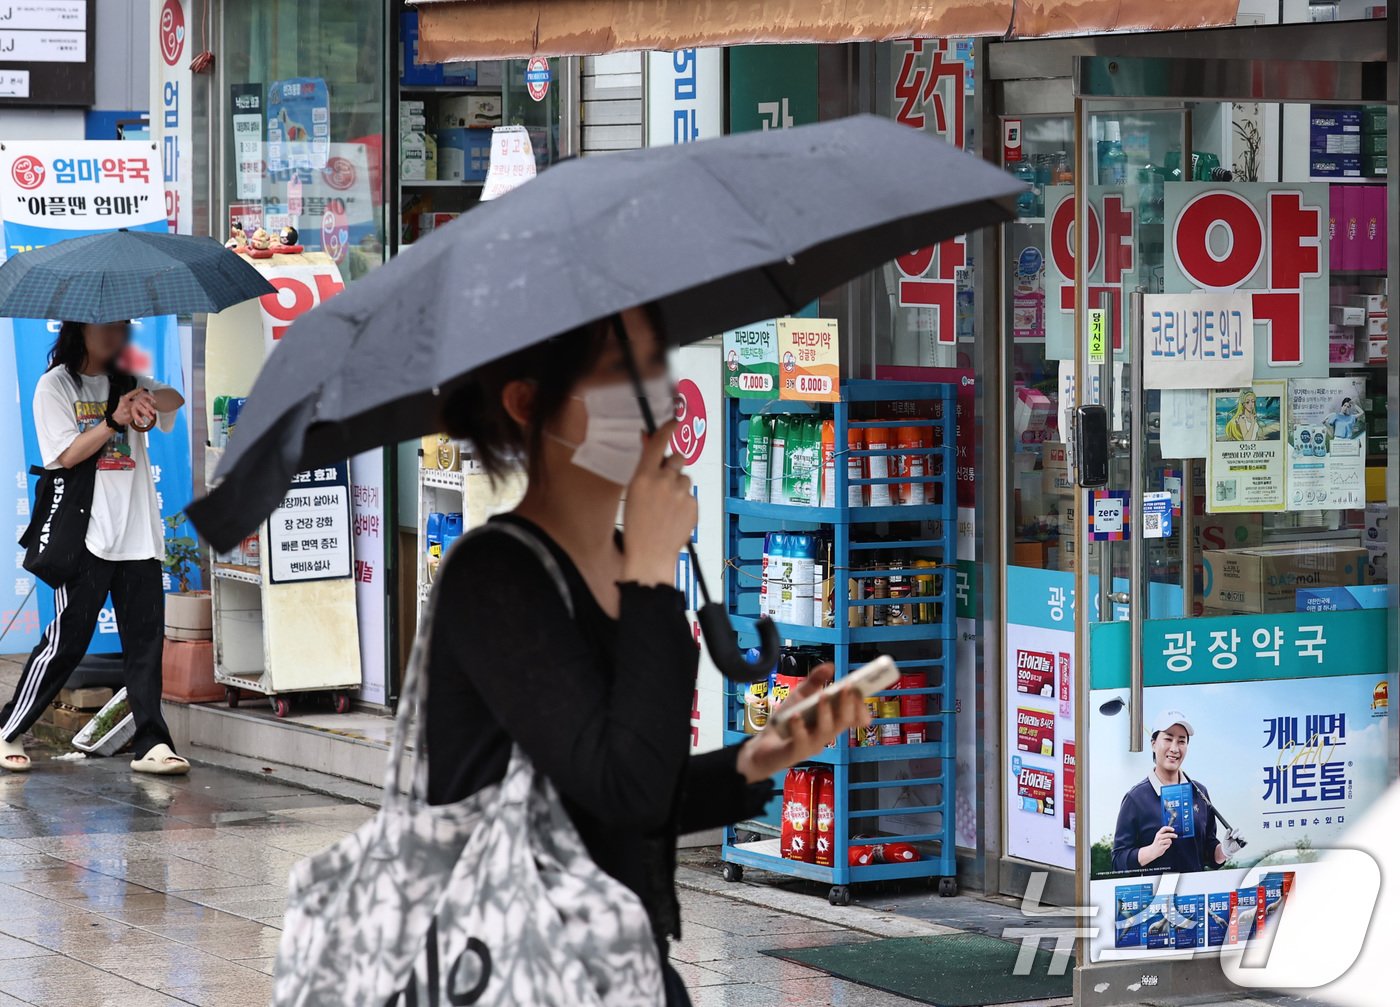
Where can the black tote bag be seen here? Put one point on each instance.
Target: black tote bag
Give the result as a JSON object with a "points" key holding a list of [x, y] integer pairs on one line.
{"points": [[56, 540]]}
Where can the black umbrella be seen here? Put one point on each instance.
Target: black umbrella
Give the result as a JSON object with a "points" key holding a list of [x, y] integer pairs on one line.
{"points": [[116, 275], [716, 234]]}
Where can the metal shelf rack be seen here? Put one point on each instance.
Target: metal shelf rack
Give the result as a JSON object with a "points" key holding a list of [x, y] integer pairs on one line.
{"points": [[898, 793]]}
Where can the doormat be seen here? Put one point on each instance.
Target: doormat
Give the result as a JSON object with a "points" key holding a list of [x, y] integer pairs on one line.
{"points": [[950, 970]]}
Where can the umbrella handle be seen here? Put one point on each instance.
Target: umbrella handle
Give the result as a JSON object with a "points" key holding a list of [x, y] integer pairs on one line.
{"points": [[723, 644], [720, 638]]}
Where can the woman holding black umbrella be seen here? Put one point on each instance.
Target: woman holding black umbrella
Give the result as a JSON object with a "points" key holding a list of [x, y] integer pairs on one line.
{"points": [[76, 417], [600, 701]]}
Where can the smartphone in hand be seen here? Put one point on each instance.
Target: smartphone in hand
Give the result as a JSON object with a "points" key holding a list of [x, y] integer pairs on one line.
{"points": [[877, 676]]}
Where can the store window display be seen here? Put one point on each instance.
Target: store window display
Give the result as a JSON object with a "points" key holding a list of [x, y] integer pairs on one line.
{"points": [[304, 86]]}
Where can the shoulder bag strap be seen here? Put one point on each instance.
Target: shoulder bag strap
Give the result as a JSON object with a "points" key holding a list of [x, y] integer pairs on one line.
{"points": [[415, 675]]}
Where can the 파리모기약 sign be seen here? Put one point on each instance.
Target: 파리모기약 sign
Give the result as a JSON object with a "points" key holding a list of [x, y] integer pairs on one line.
{"points": [[809, 359], [751, 361]]}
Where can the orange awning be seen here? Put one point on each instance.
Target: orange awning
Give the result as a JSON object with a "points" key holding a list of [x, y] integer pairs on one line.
{"points": [[499, 29]]}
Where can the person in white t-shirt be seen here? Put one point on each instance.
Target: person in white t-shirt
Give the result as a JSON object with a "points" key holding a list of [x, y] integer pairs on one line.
{"points": [[125, 538]]}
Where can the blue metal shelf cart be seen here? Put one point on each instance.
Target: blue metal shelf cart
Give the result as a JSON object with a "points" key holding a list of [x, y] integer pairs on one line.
{"points": [[903, 792]]}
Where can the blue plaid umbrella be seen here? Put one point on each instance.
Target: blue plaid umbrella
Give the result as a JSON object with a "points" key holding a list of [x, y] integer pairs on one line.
{"points": [[125, 274]]}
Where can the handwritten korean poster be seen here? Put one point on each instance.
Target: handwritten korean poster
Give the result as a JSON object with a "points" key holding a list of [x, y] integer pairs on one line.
{"points": [[1197, 340]]}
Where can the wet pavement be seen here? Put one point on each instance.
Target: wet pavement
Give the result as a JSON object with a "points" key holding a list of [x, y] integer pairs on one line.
{"points": [[129, 891]]}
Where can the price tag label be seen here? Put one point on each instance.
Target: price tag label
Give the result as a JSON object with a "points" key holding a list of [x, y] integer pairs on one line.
{"points": [[1098, 336]]}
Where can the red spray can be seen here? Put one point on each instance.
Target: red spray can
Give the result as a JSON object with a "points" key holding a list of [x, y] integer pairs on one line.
{"points": [[825, 826], [797, 839]]}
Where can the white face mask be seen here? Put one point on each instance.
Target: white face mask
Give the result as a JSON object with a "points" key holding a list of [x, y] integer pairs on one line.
{"points": [[612, 444]]}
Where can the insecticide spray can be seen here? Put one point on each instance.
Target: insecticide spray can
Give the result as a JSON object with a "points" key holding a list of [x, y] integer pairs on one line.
{"points": [[756, 485]]}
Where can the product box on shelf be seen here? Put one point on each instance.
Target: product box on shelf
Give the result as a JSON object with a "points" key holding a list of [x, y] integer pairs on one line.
{"points": [[1267, 579], [1348, 315], [1326, 120], [1029, 553], [1374, 117], [441, 452], [1056, 476], [1341, 349], [1375, 165], [429, 220], [464, 154], [1375, 483], [1336, 165], [411, 72], [1378, 349], [1368, 304], [1033, 412], [459, 73], [469, 111]]}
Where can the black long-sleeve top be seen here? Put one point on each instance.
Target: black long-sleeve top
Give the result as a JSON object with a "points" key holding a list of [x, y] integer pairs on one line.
{"points": [[600, 705]]}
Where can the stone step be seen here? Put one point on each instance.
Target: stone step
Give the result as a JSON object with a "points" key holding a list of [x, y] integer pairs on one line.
{"points": [[353, 746]]}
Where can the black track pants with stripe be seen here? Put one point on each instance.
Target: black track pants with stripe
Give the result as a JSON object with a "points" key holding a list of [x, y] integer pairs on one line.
{"points": [[136, 589]]}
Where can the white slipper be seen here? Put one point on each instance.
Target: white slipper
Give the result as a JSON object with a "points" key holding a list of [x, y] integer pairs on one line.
{"points": [[161, 761], [12, 757]]}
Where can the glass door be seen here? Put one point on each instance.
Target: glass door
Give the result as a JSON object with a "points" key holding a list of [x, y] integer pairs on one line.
{"points": [[1234, 644]]}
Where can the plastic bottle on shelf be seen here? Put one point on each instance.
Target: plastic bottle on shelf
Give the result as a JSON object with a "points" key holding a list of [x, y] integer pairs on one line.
{"points": [[1026, 202], [878, 466], [1113, 163], [1063, 173]]}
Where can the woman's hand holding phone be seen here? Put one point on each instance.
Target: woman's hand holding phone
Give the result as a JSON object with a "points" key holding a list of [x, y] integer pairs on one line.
{"points": [[659, 515], [839, 711]]}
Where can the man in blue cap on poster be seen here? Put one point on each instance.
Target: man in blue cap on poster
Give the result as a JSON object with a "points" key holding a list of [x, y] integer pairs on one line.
{"points": [[1156, 834]]}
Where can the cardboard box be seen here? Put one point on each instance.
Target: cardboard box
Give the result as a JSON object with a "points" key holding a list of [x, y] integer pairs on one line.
{"points": [[70, 721], [1378, 562], [1378, 349], [1229, 531], [470, 111], [1371, 304], [1056, 478], [1326, 119], [411, 72], [1031, 554], [1375, 483], [1348, 316], [1336, 165], [1267, 579], [1069, 549], [85, 699]]}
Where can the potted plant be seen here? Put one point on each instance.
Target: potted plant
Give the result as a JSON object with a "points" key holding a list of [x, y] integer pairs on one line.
{"points": [[188, 614]]}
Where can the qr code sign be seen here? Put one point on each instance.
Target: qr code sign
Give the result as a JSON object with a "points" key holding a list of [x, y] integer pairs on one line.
{"points": [[1152, 525]]}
